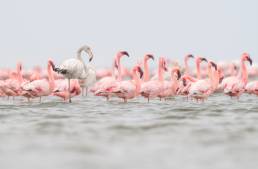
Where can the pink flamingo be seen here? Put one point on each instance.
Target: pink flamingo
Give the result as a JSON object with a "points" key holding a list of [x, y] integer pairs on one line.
{"points": [[252, 88], [185, 84], [61, 89], [234, 86], [153, 88], [170, 87], [129, 89], [12, 86], [201, 89], [42, 87], [103, 86]]}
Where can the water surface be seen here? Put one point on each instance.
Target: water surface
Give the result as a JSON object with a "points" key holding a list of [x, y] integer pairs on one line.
{"points": [[92, 133]]}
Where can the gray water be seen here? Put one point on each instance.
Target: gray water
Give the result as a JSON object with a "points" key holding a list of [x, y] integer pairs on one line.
{"points": [[94, 134]]}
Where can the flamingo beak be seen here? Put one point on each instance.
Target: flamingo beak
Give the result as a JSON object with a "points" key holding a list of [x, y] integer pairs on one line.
{"points": [[91, 55], [178, 74], [125, 53], [151, 57], [52, 64], [165, 68], [250, 61], [140, 71], [190, 56], [214, 65], [204, 59], [221, 78]]}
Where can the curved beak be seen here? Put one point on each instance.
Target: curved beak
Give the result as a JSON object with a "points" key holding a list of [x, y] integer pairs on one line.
{"points": [[52, 64], [221, 78], [139, 69], [91, 55], [124, 53], [213, 64], [204, 59], [178, 74], [165, 68], [150, 56], [190, 56], [250, 61]]}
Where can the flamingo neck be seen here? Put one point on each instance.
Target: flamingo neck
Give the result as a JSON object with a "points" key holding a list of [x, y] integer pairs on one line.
{"points": [[137, 82], [212, 77], [119, 78], [198, 70], [186, 66], [174, 82], [244, 72], [160, 74], [51, 79], [146, 74], [216, 79]]}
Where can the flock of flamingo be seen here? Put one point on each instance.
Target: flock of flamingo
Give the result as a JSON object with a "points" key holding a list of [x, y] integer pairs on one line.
{"points": [[74, 77]]}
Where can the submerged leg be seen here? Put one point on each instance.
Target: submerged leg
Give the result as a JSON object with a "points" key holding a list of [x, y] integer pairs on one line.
{"points": [[69, 91]]}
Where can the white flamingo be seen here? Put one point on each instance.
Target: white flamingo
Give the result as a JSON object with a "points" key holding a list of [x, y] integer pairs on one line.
{"points": [[75, 68]]}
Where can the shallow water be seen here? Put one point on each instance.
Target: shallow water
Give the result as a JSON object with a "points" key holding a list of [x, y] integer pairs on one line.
{"points": [[92, 133]]}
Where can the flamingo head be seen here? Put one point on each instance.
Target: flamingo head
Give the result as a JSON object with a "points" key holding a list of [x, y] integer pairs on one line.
{"points": [[89, 51], [148, 56], [188, 56], [122, 53], [210, 63], [138, 69], [177, 71], [200, 59], [246, 57], [118, 57], [51, 63], [163, 64]]}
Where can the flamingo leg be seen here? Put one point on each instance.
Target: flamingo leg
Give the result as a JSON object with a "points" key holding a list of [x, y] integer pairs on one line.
{"points": [[82, 91], [69, 92]]}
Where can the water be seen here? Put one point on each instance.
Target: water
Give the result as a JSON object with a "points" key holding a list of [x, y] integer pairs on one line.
{"points": [[94, 134]]}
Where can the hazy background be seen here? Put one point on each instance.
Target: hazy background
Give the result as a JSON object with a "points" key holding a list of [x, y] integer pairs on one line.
{"points": [[32, 31]]}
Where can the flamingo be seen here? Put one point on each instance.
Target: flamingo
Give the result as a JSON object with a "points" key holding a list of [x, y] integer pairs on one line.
{"points": [[129, 89], [185, 84], [42, 87], [170, 87], [201, 89], [153, 88], [252, 88], [61, 88], [102, 87], [12, 86], [75, 68], [234, 86]]}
